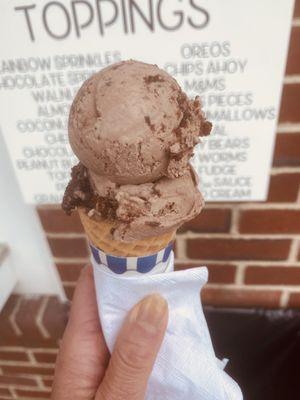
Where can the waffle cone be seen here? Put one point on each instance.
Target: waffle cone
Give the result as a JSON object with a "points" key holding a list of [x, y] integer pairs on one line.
{"points": [[99, 233]]}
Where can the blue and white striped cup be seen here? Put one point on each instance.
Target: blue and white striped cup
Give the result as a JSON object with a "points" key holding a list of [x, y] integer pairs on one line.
{"points": [[125, 265]]}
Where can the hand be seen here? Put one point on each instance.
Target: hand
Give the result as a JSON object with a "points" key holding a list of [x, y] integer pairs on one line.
{"points": [[84, 369]]}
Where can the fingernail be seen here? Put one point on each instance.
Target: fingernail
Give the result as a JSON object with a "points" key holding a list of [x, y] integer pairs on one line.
{"points": [[151, 312]]}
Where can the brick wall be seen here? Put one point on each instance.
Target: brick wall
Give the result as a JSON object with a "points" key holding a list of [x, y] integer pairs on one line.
{"points": [[29, 337], [251, 249]]}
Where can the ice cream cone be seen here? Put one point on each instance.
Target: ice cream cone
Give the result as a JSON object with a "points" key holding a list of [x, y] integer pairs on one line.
{"points": [[99, 233]]}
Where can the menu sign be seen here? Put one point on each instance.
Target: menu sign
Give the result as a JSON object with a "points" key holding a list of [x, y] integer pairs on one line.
{"points": [[230, 53]]}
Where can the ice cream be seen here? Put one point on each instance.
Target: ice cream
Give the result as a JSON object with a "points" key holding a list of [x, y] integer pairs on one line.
{"points": [[134, 131]]}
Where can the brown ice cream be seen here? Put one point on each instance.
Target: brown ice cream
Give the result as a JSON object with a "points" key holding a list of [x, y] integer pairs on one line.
{"points": [[134, 131]]}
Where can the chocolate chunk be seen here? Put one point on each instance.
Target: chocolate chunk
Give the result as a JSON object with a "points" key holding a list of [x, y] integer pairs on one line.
{"points": [[206, 128], [153, 79], [78, 193], [107, 207], [148, 122]]}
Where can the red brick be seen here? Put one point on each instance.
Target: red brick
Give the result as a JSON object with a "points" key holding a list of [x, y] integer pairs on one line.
{"points": [[210, 220], [17, 380], [293, 61], [287, 149], [69, 291], [30, 370], [70, 272], [5, 392], [64, 247], [238, 249], [7, 355], [272, 275], [297, 9], [56, 221], [26, 320], [7, 334], [270, 221], [227, 297], [221, 273], [284, 188], [55, 317], [217, 273], [30, 394], [47, 382], [294, 300], [290, 103], [49, 358]]}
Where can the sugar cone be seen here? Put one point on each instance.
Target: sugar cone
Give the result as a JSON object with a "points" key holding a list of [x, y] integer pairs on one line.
{"points": [[99, 233]]}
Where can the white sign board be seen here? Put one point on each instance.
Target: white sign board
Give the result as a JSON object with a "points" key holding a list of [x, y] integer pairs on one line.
{"points": [[232, 53]]}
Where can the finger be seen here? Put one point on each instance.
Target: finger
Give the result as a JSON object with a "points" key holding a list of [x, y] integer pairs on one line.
{"points": [[135, 351], [84, 305], [83, 356]]}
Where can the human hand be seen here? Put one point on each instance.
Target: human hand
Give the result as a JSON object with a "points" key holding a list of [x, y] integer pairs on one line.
{"points": [[84, 369]]}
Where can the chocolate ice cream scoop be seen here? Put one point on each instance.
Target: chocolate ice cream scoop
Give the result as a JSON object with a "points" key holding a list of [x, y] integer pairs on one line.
{"points": [[134, 131], [154, 208], [132, 124]]}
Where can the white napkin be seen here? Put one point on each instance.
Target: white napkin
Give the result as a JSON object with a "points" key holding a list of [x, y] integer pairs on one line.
{"points": [[186, 367]]}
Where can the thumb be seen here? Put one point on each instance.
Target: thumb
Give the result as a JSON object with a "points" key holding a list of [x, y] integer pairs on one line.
{"points": [[135, 351]]}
